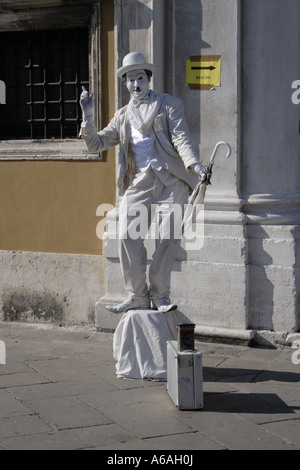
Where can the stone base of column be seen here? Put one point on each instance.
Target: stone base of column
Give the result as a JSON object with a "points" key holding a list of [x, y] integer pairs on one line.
{"points": [[106, 321]]}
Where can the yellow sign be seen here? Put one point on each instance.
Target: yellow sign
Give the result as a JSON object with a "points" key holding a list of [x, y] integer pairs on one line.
{"points": [[203, 72]]}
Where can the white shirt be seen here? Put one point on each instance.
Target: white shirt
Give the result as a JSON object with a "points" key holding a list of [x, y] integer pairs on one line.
{"points": [[144, 159], [141, 150]]}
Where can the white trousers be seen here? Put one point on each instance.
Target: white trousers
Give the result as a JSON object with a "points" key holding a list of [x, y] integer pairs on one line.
{"points": [[148, 196]]}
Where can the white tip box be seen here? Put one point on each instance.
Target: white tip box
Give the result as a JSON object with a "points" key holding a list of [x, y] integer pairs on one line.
{"points": [[184, 377]]}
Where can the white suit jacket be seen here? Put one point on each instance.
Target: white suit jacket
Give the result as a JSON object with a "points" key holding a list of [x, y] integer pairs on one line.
{"points": [[171, 142]]}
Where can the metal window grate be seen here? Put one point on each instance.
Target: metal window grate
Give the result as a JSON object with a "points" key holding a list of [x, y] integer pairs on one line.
{"points": [[43, 72]]}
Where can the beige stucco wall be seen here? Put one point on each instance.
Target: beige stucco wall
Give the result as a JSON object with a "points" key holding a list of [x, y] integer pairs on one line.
{"points": [[51, 206]]}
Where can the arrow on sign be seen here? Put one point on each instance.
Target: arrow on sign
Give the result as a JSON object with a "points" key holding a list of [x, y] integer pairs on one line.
{"points": [[204, 68]]}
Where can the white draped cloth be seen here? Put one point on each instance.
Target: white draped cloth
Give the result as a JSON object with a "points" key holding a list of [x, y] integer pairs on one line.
{"points": [[140, 343]]}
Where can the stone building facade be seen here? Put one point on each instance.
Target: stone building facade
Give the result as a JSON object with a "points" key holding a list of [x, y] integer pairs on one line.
{"points": [[245, 278]]}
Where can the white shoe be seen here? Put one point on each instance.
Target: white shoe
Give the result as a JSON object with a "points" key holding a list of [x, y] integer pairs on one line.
{"points": [[130, 304], [163, 305]]}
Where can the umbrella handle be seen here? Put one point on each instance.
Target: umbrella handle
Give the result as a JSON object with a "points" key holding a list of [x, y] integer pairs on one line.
{"points": [[212, 158]]}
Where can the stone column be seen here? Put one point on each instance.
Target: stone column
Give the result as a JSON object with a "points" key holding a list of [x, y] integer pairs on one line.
{"points": [[270, 165], [215, 278]]}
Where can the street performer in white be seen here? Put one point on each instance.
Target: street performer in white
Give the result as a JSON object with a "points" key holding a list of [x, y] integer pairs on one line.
{"points": [[157, 165]]}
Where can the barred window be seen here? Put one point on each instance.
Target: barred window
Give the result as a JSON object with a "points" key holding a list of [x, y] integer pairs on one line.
{"points": [[43, 72]]}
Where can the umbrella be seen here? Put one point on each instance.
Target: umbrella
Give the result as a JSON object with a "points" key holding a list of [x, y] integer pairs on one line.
{"points": [[198, 195]]}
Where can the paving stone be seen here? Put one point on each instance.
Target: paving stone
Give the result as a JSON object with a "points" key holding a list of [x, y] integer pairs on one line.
{"points": [[226, 373], [292, 370], [108, 372], [234, 432], [272, 402], [71, 439], [58, 370], [22, 426], [68, 413], [282, 372], [219, 349], [10, 406], [255, 407], [23, 351], [219, 387], [289, 430], [146, 422], [31, 393], [24, 378], [149, 396], [261, 355], [287, 392], [13, 366], [178, 442], [238, 370], [141, 420]]}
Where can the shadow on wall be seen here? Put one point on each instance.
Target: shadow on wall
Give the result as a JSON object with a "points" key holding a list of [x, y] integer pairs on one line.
{"points": [[296, 235], [261, 289], [266, 305]]}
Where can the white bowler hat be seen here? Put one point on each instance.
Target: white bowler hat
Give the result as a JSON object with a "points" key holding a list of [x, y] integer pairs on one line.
{"points": [[134, 61]]}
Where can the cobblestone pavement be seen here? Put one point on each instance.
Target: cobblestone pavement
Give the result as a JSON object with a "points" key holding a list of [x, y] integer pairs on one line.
{"points": [[59, 390]]}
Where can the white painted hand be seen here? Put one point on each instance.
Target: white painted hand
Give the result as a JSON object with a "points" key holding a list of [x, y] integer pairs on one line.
{"points": [[86, 103], [198, 169]]}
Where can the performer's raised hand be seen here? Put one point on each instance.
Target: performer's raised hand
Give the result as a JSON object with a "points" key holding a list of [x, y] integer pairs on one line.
{"points": [[86, 103]]}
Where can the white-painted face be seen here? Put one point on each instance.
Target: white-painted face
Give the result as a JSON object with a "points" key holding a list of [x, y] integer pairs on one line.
{"points": [[137, 84]]}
